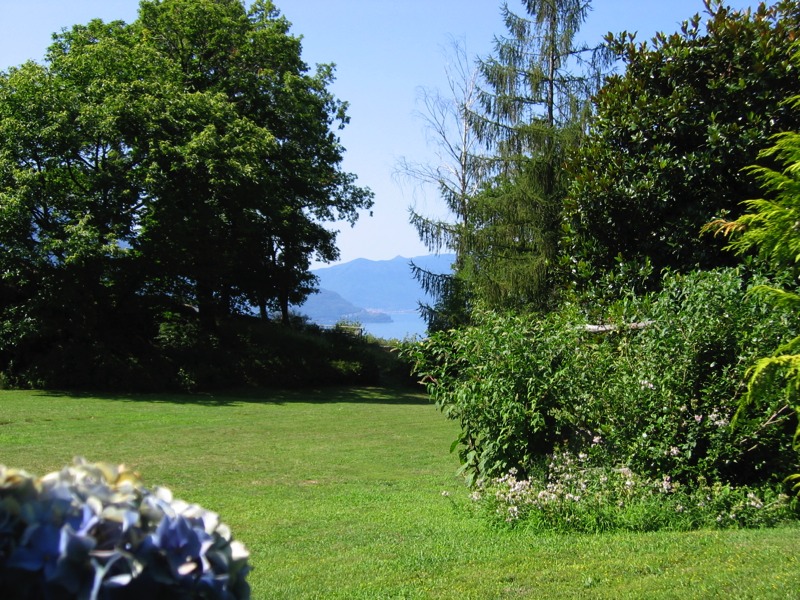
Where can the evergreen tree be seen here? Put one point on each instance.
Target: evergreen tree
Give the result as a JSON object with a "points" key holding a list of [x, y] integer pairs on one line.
{"points": [[770, 228], [534, 109]]}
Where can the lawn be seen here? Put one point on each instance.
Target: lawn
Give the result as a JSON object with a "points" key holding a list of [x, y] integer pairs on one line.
{"points": [[338, 493]]}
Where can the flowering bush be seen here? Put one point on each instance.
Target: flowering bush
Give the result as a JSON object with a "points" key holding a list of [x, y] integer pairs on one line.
{"points": [[659, 399], [92, 531], [575, 494]]}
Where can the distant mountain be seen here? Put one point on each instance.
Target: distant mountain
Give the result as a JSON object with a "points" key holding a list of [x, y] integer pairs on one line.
{"points": [[386, 285], [370, 287], [328, 308]]}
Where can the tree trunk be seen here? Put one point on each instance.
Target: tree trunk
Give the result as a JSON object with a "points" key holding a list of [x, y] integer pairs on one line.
{"points": [[206, 307], [284, 301], [262, 308]]}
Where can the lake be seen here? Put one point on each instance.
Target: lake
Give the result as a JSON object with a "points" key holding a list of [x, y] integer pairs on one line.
{"points": [[404, 325]]}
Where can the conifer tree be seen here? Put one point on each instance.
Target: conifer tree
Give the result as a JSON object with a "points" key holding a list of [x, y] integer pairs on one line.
{"points": [[533, 112]]}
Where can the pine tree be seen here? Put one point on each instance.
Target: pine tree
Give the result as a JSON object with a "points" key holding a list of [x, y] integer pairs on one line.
{"points": [[532, 112]]}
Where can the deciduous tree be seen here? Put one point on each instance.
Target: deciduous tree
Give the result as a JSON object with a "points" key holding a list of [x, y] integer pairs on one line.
{"points": [[261, 179], [189, 158], [457, 175]]}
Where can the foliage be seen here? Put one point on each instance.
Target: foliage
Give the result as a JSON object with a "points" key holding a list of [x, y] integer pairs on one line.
{"points": [[658, 398], [92, 531], [267, 170], [671, 135], [185, 160], [249, 352], [574, 495], [533, 108], [496, 379], [769, 227]]}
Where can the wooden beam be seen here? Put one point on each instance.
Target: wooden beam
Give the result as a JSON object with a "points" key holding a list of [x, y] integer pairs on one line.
{"points": [[607, 328]]}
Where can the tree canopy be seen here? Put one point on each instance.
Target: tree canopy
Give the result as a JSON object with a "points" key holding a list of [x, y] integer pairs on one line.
{"points": [[504, 134], [187, 159], [672, 134]]}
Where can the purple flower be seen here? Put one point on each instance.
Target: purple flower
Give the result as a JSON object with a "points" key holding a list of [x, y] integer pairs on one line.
{"points": [[38, 550], [182, 544]]}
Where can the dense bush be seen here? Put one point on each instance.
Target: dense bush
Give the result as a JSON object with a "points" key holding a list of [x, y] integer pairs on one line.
{"points": [[182, 355], [497, 379], [247, 351], [770, 228], [658, 399]]}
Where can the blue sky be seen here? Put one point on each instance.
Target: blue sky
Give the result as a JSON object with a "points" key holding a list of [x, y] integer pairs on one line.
{"points": [[384, 51]]}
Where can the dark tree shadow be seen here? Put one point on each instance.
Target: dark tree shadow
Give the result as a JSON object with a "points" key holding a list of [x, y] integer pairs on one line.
{"points": [[321, 395]]}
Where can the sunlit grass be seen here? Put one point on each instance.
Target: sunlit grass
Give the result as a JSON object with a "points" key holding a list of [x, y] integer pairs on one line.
{"points": [[338, 494]]}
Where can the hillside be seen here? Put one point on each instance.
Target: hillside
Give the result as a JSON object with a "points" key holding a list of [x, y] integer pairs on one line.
{"points": [[328, 308], [370, 287]]}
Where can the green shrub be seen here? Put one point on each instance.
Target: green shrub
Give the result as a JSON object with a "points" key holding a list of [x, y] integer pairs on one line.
{"points": [[184, 355], [667, 404], [658, 399], [500, 380], [247, 351]]}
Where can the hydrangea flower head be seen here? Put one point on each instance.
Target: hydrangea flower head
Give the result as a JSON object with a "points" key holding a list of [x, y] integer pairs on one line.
{"points": [[93, 531]]}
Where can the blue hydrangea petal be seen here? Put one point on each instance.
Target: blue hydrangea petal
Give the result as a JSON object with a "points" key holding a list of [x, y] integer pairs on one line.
{"points": [[73, 569], [38, 550]]}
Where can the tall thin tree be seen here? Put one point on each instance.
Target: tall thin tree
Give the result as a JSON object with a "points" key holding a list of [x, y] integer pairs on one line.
{"points": [[456, 174], [533, 110]]}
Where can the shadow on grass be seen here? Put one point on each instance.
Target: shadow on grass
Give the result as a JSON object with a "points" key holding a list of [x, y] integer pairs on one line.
{"points": [[323, 395]]}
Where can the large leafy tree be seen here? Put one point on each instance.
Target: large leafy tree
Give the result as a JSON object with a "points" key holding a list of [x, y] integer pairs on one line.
{"points": [[534, 105], [189, 158], [672, 134], [70, 200], [272, 173]]}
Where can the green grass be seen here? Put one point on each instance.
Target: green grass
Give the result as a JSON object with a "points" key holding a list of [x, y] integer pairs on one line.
{"points": [[338, 494]]}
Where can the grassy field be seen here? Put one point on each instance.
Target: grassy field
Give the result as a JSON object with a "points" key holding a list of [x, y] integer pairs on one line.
{"points": [[338, 493]]}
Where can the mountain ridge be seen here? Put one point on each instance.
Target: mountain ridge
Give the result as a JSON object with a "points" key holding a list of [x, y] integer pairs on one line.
{"points": [[371, 287]]}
